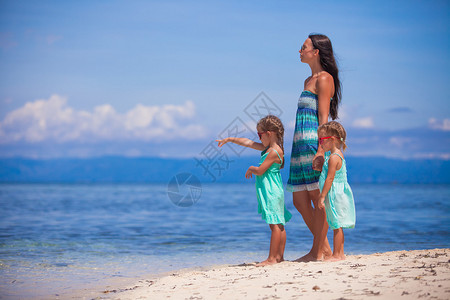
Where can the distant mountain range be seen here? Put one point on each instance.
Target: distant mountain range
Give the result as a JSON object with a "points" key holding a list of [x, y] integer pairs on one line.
{"points": [[162, 170]]}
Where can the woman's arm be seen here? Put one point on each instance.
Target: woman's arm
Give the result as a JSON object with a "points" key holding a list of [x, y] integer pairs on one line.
{"points": [[332, 167], [325, 88], [325, 91], [242, 142]]}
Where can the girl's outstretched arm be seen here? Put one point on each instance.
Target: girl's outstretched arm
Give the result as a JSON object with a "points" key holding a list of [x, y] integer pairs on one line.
{"points": [[242, 142], [333, 165]]}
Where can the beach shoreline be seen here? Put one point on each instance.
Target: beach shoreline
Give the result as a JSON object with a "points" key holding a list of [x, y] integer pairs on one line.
{"points": [[413, 274]]}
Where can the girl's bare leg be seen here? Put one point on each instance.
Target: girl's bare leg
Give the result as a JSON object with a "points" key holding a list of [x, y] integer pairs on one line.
{"points": [[316, 221], [282, 244], [275, 246], [338, 245]]}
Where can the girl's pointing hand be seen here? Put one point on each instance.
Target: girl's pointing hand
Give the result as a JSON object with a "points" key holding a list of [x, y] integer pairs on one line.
{"points": [[222, 142]]}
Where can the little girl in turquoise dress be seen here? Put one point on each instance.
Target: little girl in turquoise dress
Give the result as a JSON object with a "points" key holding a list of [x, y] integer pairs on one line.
{"points": [[335, 192], [269, 186]]}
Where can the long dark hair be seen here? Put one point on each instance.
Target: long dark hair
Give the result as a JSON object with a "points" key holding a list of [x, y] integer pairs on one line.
{"points": [[328, 63]]}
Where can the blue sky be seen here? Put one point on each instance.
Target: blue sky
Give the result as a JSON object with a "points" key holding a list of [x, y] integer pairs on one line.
{"points": [[164, 78]]}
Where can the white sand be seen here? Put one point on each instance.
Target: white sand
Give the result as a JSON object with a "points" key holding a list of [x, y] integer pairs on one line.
{"points": [[420, 274]]}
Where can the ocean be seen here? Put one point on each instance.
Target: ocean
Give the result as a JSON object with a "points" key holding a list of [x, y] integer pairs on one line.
{"points": [[57, 239]]}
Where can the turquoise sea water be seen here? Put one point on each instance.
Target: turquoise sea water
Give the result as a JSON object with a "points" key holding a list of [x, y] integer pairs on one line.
{"points": [[55, 239]]}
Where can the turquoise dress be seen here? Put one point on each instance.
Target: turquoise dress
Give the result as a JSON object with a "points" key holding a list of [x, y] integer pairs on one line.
{"points": [[304, 146], [339, 203], [270, 193]]}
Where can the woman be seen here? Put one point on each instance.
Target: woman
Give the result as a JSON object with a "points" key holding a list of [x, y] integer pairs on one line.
{"points": [[319, 100]]}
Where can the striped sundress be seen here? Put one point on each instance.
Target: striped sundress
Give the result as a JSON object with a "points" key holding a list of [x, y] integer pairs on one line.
{"points": [[304, 146]]}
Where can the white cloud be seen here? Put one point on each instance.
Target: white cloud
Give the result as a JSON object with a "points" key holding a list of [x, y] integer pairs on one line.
{"points": [[444, 156], [363, 123], [342, 113], [54, 120], [399, 141], [440, 125]]}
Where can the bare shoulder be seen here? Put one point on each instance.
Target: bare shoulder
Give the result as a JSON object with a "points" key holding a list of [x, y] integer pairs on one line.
{"points": [[273, 155], [325, 84], [334, 158], [324, 78], [335, 161], [279, 150]]}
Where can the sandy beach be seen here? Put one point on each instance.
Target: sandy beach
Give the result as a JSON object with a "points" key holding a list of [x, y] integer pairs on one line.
{"points": [[418, 274]]}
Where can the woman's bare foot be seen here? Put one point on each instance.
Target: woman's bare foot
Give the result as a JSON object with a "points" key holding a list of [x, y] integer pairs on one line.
{"points": [[335, 258], [327, 254], [308, 257]]}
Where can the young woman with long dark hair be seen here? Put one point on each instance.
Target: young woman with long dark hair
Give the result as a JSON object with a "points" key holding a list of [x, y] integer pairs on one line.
{"points": [[319, 100]]}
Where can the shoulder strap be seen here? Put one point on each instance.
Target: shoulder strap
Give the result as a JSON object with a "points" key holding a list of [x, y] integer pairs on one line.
{"points": [[343, 161], [278, 156], [337, 155]]}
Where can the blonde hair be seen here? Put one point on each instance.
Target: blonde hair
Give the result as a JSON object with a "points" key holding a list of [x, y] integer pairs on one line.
{"points": [[274, 124], [334, 128]]}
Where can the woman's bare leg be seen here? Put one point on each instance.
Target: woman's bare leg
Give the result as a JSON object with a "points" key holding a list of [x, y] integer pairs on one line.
{"points": [[321, 247], [302, 203], [316, 222]]}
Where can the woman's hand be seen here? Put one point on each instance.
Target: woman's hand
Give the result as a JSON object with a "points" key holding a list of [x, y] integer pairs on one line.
{"points": [[248, 174], [222, 142], [318, 161]]}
